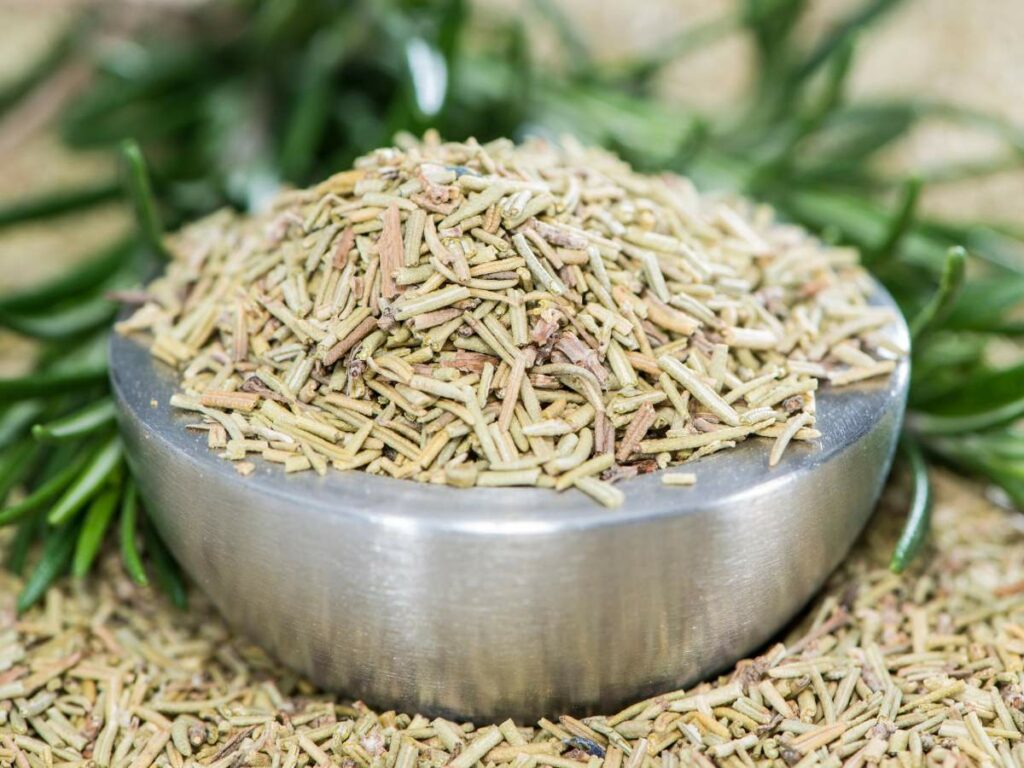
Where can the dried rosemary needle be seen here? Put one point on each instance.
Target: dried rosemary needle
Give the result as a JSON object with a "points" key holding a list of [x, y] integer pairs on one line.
{"points": [[502, 315]]}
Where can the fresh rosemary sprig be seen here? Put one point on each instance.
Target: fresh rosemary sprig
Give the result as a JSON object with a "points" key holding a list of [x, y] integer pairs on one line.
{"points": [[74, 490], [235, 97]]}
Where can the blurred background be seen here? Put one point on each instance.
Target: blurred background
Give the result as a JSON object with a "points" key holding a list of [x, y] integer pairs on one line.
{"points": [[896, 126], [969, 53]]}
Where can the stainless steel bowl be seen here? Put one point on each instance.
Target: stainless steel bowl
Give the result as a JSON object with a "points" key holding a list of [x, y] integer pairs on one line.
{"points": [[488, 603]]}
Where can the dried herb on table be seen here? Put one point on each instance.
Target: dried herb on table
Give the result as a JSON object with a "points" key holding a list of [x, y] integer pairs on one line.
{"points": [[923, 669]]}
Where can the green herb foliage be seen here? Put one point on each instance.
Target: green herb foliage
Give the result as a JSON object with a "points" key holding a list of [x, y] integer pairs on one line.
{"points": [[233, 98]]}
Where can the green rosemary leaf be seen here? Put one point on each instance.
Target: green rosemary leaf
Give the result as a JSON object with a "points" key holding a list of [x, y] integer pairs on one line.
{"points": [[453, 18], [103, 462], [156, 116], [943, 361], [78, 355], [53, 563], [941, 302], [984, 400], [16, 420], [94, 527], [944, 424], [127, 531], [781, 164], [306, 126], [772, 23], [859, 222], [1004, 444], [1009, 328], [147, 92], [61, 470], [1002, 250], [900, 223], [140, 192], [52, 204], [16, 464], [864, 223], [51, 383], [309, 115], [919, 515], [75, 320], [18, 549], [839, 152], [1011, 483], [88, 420], [272, 23], [984, 303], [521, 91], [835, 82]]}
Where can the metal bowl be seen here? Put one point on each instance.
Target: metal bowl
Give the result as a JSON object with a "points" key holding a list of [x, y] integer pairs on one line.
{"points": [[487, 603]]}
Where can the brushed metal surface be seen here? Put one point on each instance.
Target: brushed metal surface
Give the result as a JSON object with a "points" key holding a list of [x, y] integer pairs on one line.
{"points": [[487, 603]]}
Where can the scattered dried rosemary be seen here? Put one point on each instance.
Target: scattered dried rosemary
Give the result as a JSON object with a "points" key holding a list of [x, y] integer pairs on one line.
{"points": [[502, 315], [925, 669]]}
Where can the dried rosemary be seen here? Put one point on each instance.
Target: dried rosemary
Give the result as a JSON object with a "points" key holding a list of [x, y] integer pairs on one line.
{"points": [[500, 315], [893, 671]]}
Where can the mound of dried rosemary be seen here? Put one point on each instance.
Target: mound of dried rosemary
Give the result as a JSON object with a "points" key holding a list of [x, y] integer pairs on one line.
{"points": [[502, 315]]}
